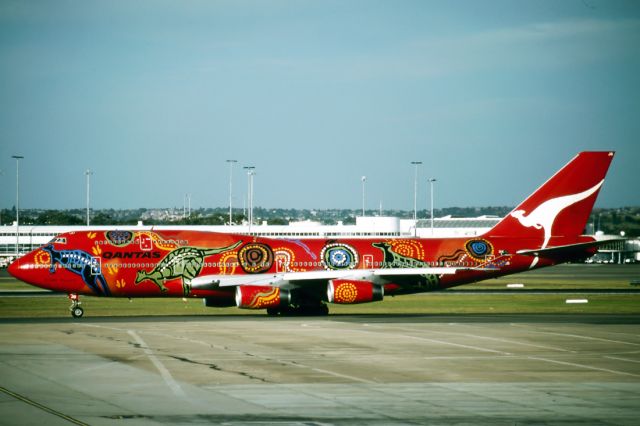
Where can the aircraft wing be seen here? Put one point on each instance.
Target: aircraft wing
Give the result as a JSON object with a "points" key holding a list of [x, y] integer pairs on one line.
{"points": [[566, 250], [282, 278], [214, 281]]}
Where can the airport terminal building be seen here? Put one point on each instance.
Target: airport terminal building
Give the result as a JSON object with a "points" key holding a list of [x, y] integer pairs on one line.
{"points": [[31, 237]]}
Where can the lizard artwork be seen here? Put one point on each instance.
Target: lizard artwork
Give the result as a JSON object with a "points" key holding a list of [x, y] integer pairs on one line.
{"points": [[184, 263], [396, 260]]}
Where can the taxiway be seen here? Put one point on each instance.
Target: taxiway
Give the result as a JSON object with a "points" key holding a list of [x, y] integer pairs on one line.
{"points": [[410, 369]]}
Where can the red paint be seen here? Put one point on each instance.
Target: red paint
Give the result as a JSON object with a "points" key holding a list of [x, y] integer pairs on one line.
{"points": [[353, 291], [164, 263]]}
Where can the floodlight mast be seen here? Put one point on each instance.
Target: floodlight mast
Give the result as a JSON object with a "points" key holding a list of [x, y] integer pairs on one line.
{"points": [[415, 190], [431, 182], [364, 179], [18, 158], [250, 174], [231, 163], [88, 173]]}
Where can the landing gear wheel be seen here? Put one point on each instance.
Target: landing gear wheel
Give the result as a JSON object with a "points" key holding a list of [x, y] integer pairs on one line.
{"points": [[76, 310], [319, 310], [300, 311], [324, 310]]}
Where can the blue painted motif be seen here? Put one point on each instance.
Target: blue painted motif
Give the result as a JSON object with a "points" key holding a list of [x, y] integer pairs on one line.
{"points": [[339, 256], [80, 263], [479, 249]]}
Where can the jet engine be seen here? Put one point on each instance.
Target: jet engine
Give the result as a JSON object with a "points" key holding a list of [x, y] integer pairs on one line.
{"points": [[262, 297], [353, 291]]}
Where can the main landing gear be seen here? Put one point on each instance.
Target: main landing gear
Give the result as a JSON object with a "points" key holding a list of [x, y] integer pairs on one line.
{"points": [[301, 310], [76, 310]]}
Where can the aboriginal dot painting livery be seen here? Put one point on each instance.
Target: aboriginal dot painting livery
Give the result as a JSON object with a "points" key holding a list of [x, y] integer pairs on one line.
{"points": [[303, 276]]}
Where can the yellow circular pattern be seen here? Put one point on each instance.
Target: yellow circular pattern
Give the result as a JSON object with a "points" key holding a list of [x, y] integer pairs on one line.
{"points": [[42, 258], [408, 248], [255, 258], [345, 293]]}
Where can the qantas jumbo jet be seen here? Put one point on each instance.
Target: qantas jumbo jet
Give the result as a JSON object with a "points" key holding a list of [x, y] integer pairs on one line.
{"points": [[301, 276]]}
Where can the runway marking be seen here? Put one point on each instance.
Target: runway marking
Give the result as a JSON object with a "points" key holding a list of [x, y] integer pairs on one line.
{"points": [[460, 345], [108, 364], [475, 336], [426, 339], [622, 359], [102, 366], [462, 357], [42, 407], [269, 359], [588, 367], [579, 336], [331, 373], [168, 379]]}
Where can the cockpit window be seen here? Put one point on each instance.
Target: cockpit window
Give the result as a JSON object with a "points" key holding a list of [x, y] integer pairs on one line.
{"points": [[59, 240]]}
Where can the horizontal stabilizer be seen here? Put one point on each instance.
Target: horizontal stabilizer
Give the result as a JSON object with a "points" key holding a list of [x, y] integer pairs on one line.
{"points": [[567, 250]]}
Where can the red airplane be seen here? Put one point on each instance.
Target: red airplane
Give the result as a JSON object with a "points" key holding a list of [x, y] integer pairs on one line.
{"points": [[286, 276]]}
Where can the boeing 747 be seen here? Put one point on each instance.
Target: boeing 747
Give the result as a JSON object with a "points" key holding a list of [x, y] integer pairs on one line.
{"points": [[285, 276]]}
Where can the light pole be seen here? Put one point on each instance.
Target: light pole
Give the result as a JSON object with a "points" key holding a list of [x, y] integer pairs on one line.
{"points": [[231, 162], [1, 174], [18, 158], [415, 191], [431, 181], [250, 173], [186, 206], [88, 173], [364, 179]]}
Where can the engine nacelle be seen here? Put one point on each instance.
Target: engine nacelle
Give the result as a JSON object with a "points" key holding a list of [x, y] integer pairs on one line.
{"points": [[261, 297], [353, 291]]}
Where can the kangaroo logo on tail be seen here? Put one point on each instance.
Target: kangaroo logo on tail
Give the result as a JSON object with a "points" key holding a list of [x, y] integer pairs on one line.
{"points": [[543, 216]]}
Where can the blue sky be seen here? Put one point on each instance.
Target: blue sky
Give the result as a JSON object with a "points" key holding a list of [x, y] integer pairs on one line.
{"points": [[153, 96]]}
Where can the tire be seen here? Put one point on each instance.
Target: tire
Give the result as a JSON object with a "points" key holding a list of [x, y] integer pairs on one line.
{"points": [[77, 312], [317, 311], [324, 310]]}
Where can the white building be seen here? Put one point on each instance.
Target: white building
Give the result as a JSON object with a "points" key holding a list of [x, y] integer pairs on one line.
{"points": [[32, 237]]}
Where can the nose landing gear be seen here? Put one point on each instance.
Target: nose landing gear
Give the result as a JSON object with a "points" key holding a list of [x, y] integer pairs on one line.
{"points": [[76, 310]]}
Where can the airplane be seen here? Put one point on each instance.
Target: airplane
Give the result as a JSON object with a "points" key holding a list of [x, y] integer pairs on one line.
{"points": [[291, 276]]}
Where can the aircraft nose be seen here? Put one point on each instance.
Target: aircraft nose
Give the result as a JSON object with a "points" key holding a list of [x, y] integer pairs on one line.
{"points": [[19, 269], [33, 268], [24, 269]]}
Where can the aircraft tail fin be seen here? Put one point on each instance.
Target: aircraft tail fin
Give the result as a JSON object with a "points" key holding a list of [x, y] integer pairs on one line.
{"points": [[562, 205]]}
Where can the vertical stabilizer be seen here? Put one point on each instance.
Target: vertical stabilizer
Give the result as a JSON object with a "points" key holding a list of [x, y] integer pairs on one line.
{"points": [[562, 205]]}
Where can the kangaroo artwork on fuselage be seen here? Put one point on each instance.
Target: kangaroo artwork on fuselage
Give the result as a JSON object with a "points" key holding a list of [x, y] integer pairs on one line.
{"points": [[306, 275]]}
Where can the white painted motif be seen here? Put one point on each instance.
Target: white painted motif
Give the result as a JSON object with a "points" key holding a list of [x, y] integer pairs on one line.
{"points": [[545, 214]]}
